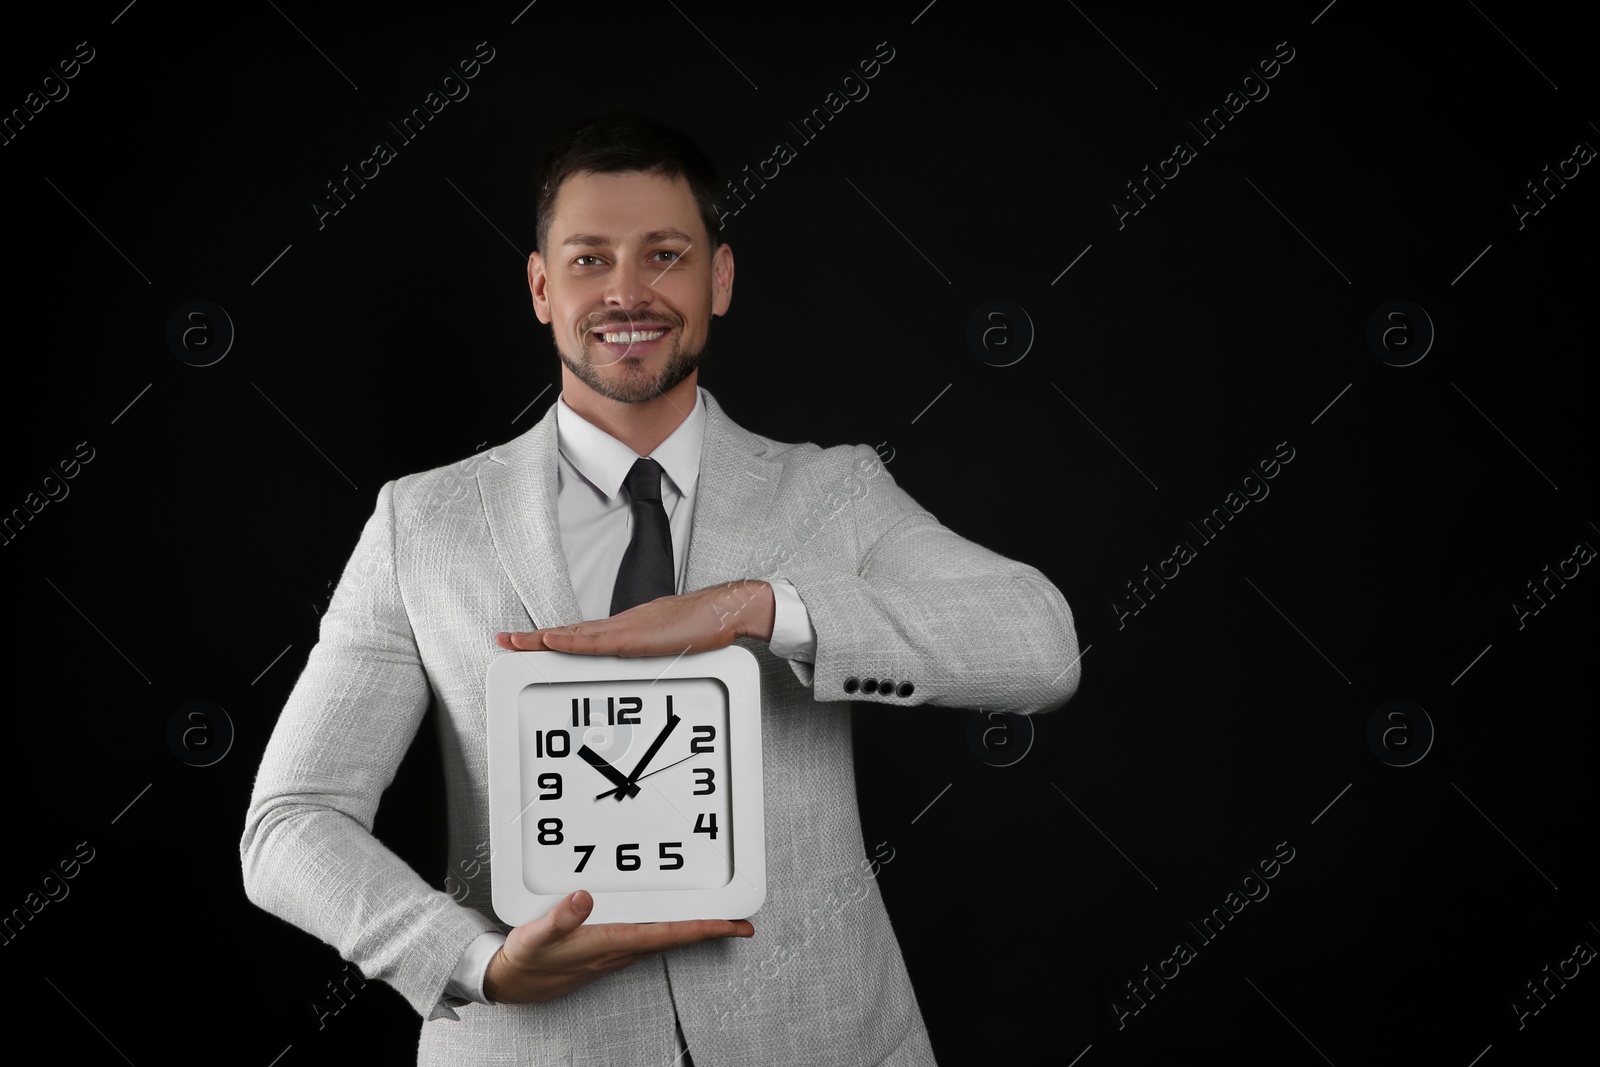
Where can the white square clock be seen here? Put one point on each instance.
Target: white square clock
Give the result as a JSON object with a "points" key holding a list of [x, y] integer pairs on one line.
{"points": [[637, 779]]}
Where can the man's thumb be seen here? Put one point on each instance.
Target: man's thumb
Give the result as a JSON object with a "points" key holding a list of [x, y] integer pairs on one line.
{"points": [[568, 915]]}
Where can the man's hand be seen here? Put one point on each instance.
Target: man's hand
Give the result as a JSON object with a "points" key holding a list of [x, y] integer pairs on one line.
{"points": [[706, 619], [552, 956]]}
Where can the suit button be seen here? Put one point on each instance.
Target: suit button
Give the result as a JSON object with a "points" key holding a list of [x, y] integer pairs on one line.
{"points": [[869, 685], [905, 689], [886, 687], [851, 684]]}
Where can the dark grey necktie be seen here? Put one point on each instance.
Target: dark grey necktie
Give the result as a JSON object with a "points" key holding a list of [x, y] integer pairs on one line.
{"points": [[647, 571]]}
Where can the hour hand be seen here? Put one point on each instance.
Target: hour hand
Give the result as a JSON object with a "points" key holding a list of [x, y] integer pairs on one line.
{"points": [[595, 760]]}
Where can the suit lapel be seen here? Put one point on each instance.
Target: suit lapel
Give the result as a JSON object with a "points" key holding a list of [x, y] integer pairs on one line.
{"points": [[518, 487], [733, 506], [737, 487]]}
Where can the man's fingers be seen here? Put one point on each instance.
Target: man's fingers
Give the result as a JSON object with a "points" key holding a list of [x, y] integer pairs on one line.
{"points": [[567, 641], [660, 937], [524, 640], [559, 639]]}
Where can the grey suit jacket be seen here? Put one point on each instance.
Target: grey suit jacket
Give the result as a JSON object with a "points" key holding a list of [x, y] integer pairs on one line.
{"points": [[452, 555]]}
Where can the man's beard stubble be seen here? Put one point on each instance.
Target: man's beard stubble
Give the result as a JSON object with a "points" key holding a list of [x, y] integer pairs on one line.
{"points": [[636, 388]]}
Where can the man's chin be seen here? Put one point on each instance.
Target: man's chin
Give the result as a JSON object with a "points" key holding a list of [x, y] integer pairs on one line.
{"points": [[634, 384]]}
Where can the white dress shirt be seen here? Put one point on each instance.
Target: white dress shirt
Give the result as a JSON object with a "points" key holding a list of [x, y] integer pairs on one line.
{"points": [[596, 521]]}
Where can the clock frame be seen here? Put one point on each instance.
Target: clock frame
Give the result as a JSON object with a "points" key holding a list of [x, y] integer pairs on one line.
{"points": [[635, 778]]}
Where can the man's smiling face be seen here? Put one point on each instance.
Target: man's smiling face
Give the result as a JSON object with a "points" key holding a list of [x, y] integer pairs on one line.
{"points": [[629, 284]]}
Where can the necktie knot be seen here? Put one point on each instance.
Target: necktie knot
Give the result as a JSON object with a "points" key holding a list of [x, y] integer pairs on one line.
{"points": [[644, 480]]}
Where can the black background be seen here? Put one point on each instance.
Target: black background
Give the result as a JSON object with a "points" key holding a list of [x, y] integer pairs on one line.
{"points": [[194, 552]]}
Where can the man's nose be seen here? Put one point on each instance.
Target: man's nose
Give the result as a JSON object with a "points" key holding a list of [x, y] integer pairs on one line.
{"points": [[629, 287]]}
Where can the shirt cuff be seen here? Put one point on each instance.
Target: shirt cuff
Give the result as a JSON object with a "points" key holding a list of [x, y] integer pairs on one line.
{"points": [[466, 981], [793, 636]]}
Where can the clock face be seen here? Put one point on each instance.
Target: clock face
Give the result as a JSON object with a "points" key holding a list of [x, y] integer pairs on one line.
{"points": [[638, 779], [625, 786]]}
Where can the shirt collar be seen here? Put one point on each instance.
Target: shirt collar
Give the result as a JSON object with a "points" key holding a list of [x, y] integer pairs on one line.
{"points": [[605, 461]]}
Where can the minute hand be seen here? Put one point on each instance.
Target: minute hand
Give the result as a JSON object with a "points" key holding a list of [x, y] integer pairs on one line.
{"points": [[650, 753]]}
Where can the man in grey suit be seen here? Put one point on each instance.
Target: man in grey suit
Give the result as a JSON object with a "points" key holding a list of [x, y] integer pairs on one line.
{"points": [[811, 558]]}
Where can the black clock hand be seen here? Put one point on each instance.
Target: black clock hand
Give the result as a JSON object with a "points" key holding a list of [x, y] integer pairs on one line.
{"points": [[642, 777], [650, 753], [595, 760]]}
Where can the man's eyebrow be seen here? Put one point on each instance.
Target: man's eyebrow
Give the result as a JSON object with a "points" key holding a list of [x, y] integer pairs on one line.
{"points": [[595, 240]]}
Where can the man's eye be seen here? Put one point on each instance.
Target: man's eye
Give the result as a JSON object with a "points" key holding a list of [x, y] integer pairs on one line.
{"points": [[580, 260], [669, 252]]}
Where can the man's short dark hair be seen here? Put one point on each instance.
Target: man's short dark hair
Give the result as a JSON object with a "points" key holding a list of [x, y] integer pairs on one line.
{"points": [[624, 142]]}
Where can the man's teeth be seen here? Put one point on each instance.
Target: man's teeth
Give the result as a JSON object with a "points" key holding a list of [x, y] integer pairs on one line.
{"points": [[632, 337]]}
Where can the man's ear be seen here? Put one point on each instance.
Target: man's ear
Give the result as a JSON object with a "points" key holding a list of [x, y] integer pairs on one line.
{"points": [[538, 281], [721, 280]]}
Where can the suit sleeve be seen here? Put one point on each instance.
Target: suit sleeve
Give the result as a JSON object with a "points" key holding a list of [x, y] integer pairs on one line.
{"points": [[308, 852], [916, 603]]}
